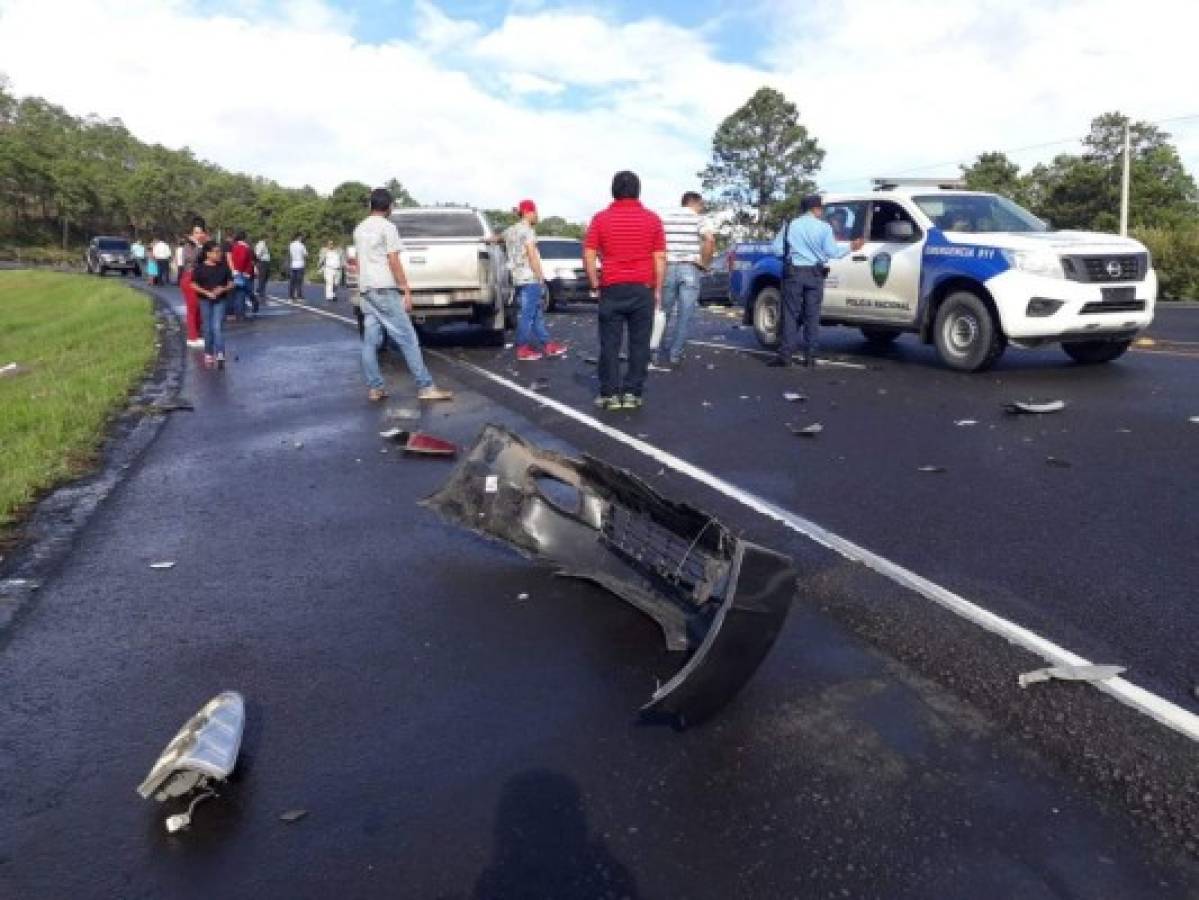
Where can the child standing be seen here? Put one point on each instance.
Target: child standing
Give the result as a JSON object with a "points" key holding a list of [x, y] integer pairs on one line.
{"points": [[213, 281]]}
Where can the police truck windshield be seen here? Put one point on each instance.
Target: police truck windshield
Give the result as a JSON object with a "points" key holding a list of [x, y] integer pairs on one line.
{"points": [[977, 213]]}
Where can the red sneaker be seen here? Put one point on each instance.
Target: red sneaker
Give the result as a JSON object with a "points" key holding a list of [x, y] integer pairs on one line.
{"points": [[553, 348], [526, 353]]}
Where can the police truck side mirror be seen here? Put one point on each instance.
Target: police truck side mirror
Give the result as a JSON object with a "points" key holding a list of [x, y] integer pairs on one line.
{"points": [[900, 231]]}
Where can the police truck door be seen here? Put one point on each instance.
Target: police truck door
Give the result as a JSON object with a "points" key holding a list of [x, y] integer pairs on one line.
{"points": [[848, 221], [886, 273]]}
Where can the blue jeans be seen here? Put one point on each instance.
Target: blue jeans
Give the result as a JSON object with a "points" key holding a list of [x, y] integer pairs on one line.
{"points": [[239, 296], [383, 310], [530, 323], [213, 315], [680, 297]]}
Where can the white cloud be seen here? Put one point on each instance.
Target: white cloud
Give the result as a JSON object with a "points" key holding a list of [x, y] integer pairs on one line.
{"points": [[528, 83], [551, 102]]}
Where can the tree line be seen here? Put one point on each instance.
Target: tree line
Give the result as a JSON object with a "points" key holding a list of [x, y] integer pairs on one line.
{"points": [[67, 178], [764, 159]]}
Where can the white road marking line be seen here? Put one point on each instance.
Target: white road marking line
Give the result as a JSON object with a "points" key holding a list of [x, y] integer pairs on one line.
{"points": [[820, 362], [1146, 702]]}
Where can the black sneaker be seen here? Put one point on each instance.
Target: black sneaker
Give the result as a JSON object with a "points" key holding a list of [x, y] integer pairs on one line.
{"points": [[779, 363]]}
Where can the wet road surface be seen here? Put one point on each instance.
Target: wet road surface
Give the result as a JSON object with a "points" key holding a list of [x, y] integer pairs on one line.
{"points": [[451, 740]]}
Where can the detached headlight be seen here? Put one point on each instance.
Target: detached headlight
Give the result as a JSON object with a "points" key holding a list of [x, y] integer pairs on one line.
{"points": [[204, 750], [1036, 262]]}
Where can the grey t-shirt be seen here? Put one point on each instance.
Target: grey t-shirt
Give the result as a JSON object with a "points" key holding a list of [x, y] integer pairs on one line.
{"points": [[517, 239], [375, 238]]}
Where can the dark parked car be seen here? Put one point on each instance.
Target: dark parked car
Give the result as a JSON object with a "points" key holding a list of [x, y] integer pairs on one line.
{"points": [[110, 254], [714, 287]]}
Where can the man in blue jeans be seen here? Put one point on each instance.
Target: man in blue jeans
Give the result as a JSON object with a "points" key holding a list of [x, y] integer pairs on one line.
{"points": [[381, 279], [690, 243]]}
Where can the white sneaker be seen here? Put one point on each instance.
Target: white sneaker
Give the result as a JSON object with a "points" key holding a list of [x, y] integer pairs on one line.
{"points": [[198, 342]]}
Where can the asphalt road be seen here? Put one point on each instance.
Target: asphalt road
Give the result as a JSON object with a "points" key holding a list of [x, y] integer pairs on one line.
{"points": [[1094, 549], [449, 739]]}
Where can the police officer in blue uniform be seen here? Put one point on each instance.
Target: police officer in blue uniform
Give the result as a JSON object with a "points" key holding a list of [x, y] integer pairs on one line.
{"points": [[806, 243]]}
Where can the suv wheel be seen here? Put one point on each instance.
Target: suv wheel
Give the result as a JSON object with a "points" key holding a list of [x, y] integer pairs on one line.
{"points": [[1091, 352], [966, 334], [879, 337], [768, 316]]}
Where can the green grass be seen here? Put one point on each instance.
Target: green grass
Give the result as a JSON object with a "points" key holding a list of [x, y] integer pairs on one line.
{"points": [[85, 343]]}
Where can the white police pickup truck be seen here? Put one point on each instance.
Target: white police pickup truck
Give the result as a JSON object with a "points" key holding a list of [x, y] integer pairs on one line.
{"points": [[969, 272]]}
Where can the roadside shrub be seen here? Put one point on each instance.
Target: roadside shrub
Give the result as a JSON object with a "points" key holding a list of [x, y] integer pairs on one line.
{"points": [[1176, 258], [43, 256]]}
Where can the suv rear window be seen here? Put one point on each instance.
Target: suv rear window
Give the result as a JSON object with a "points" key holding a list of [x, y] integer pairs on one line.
{"points": [[448, 224], [112, 244], [560, 249]]}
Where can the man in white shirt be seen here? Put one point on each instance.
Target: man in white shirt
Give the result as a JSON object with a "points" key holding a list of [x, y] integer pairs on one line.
{"points": [[299, 262], [381, 278], [161, 251], [690, 244], [262, 266], [331, 264]]}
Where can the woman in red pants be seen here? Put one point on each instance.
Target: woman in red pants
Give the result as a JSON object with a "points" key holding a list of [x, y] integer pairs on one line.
{"points": [[191, 258]]}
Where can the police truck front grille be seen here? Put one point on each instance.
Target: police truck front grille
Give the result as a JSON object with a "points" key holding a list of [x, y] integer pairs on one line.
{"points": [[1093, 269]]}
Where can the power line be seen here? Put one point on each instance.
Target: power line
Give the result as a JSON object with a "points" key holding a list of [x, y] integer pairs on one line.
{"points": [[1013, 150]]}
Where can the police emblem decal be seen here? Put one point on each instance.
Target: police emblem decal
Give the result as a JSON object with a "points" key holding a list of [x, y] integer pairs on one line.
{"points": [[880, 268]]}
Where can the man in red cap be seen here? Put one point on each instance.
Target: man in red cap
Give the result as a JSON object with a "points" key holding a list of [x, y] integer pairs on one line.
{"points": [[520, 240]]}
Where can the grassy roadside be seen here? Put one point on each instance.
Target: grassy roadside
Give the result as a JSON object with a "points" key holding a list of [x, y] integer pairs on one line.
{"points": [[82, 344]]}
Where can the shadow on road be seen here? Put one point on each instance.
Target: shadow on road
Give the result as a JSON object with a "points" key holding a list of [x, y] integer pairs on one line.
{"points": [[542, 848]]}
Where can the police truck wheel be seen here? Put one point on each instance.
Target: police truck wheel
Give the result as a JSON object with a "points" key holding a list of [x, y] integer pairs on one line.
{"points": [[879, 337], [966, 334], [1093, 352], [768, 316]]}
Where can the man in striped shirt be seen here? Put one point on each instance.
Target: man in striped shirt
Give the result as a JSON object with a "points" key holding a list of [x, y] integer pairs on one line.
{"points": [[690, 243], [630, 241]]}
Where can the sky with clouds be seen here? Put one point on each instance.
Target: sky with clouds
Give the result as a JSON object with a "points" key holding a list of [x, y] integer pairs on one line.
{"points": [[484, 101]]}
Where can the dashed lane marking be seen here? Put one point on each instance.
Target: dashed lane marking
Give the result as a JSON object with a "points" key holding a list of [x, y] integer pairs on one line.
{"points": [[1143, 701]]}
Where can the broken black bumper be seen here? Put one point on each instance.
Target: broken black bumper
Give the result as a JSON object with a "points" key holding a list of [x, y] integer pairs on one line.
{"points": [[716, 597]]}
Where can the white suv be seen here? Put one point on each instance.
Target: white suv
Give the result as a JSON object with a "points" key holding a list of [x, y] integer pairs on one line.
{"points": [[970, 272]]}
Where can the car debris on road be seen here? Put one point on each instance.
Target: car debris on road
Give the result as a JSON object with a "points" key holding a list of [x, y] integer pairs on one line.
{"points": [[165, 564], [418, 443], [1035, 407], [203, 751], [793, 397], [807, 430], [717, 598], [932, 470], [1070, 673]]}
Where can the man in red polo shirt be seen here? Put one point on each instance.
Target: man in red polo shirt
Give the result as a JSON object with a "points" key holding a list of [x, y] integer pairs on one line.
{"points": [[632, 244]]}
